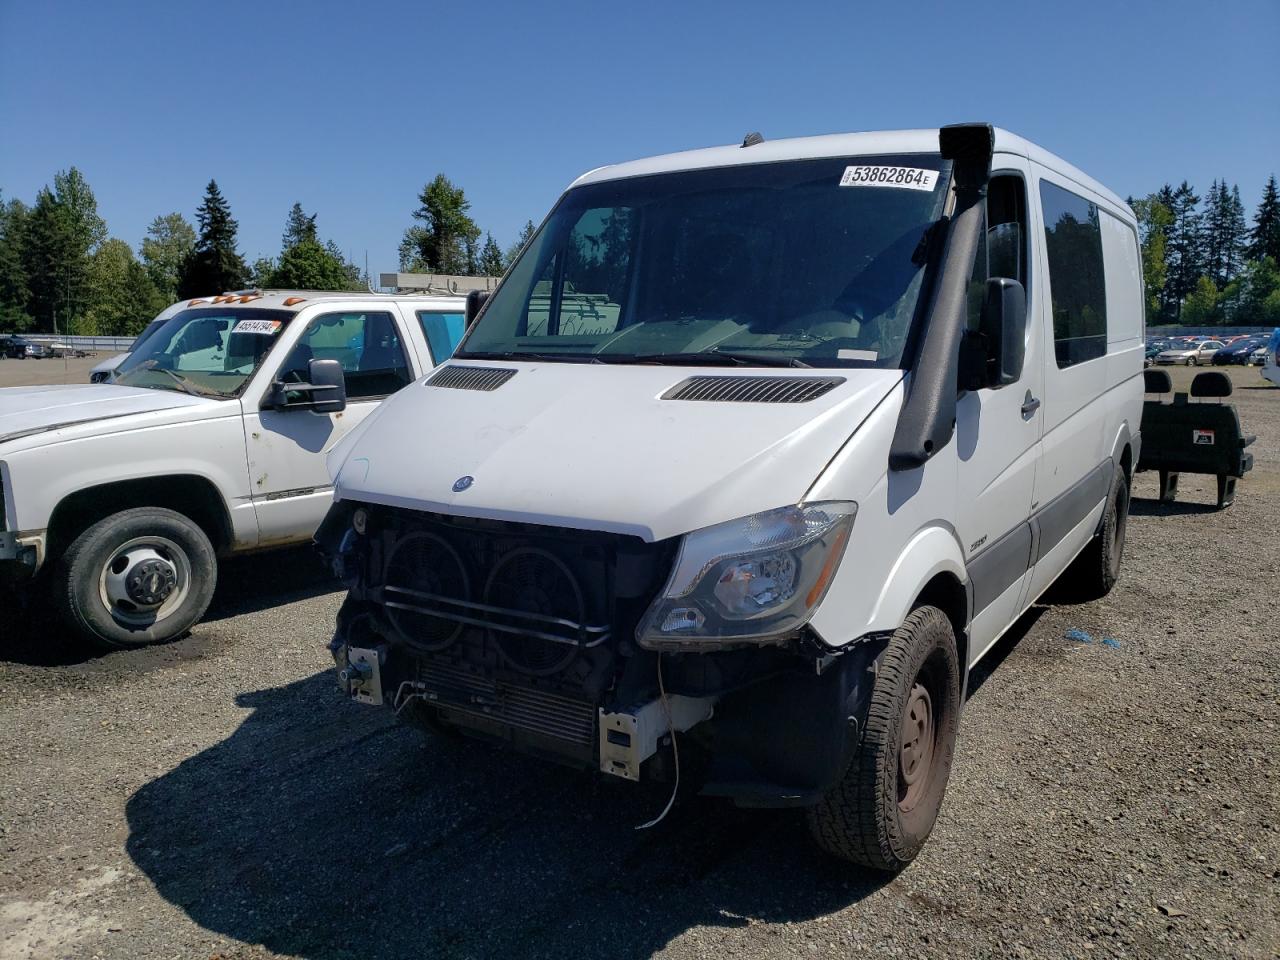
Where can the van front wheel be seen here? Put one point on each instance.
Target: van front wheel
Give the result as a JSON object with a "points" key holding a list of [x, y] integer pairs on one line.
{"points": [[136, 577], [883, 808]]}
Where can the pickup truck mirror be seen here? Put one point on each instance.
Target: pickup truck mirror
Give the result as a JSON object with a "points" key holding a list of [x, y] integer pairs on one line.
{"points": [[992, 355], [475, 300], [326, 393]]}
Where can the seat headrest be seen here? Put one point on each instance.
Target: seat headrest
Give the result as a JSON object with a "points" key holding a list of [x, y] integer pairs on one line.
{"points": [[1211, 384], [1157, 381]]}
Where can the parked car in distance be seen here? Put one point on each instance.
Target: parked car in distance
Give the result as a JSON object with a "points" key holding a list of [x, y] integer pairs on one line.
{"points": [[103, 371], [1239, 352], [211, 441], [754, 485], [1191, 355], [20, 348]]}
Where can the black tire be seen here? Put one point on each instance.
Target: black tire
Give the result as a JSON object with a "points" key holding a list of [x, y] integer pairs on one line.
{"points": [[881, 811], [1095, 571], [79, 590]]}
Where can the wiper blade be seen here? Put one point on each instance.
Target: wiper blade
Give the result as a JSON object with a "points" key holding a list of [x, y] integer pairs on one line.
{"points": [[186, 385], [719, 358], [523, 355]]}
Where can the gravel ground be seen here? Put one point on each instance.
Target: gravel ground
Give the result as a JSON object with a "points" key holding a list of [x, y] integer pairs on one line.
{"points": [[26, 373], [215, 798]]}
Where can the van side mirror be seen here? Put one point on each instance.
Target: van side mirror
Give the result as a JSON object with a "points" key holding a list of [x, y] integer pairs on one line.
{"points": [[325, 393], [475, 300], [992, 355]]}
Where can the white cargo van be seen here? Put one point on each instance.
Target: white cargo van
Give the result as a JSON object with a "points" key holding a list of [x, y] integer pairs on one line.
{"points": [[752, 455], [210, 440]]}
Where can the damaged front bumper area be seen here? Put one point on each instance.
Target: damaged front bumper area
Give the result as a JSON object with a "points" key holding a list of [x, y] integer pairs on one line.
{"points": [[525, 635]]}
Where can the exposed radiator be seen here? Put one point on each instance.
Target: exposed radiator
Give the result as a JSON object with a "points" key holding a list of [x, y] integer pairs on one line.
{"points": [[524, 708]]}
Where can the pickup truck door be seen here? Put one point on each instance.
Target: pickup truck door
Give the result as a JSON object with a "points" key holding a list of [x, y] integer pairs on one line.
{"points": [[289, 484]]}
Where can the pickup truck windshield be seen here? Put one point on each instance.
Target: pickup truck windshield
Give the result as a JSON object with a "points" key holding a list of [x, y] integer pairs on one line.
{"points": [[798, 263], [206, 352]]}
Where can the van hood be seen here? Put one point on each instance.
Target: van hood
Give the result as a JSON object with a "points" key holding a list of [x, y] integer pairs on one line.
{"points": [[597, 447], [27, 411]]}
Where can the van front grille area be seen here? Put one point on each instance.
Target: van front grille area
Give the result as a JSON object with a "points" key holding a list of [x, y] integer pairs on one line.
{"points": [[510, 630]]}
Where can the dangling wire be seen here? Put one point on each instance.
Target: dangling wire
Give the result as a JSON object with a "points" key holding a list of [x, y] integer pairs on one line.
{"points": [[675, 750]]}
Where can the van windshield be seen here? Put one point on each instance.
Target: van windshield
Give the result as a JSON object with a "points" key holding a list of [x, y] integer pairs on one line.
{"points": [[206, 352], [799, 263]]}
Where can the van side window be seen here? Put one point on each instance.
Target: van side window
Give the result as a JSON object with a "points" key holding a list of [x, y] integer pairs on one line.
{"points": [[443, 331], [1077, 283], [366, 344], [1002, 246]]}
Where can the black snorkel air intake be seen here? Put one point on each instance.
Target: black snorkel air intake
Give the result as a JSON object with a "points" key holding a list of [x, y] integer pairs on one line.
{"points": [[928, 416]]}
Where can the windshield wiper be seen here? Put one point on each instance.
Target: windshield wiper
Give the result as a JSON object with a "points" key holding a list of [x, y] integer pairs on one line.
{"points": [[524, 355], [183, 383], [719, 358]]}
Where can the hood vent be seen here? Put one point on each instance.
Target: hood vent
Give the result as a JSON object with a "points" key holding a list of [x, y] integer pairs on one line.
{"points": [[470, 378], [753, 389]]}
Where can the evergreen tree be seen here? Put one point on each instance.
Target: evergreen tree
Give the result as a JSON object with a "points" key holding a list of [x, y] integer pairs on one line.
{"points": [[1264, 238], [526, 234], [62, 232], [214, 265], [492, 262], [308, 266], [14, 292], [165, 249], [297, 227], [1185, 246], [1224, 233], [446, 241]]}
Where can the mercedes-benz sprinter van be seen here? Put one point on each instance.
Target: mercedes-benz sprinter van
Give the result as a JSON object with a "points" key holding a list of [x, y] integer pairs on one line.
{"points": [[753, 454]]}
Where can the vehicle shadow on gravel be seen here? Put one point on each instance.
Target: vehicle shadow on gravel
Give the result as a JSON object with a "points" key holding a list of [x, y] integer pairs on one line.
{"points": [[322, 829], [34, 635], [258, 581]]}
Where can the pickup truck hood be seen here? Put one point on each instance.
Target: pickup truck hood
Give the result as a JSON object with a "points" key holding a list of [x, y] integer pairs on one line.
{"points": [[596, 446], [28, 411]]}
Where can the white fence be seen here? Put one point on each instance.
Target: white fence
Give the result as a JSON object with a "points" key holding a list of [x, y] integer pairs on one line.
{"points": [[87, 344]]}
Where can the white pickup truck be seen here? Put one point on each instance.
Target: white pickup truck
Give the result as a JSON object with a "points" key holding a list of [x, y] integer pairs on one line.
{"points": [[211, 441]]}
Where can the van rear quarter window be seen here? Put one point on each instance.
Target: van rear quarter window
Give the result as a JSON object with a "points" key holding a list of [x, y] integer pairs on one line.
{"points": [[1077, 281]]}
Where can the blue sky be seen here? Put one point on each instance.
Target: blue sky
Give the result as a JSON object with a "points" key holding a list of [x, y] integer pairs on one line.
{"points": [[351, 107]]}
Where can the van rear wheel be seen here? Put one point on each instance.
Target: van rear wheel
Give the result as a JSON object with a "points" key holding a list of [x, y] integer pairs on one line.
{"points": [[1095, 571], [137, 577], [882, 810]]}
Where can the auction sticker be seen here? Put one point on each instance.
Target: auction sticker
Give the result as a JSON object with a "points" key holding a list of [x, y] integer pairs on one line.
{"points": [[266, 327], [904, 178], [1202, 437]]}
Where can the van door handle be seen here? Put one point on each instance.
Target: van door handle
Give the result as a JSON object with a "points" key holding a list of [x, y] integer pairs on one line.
{"points": [[1030, 405]]}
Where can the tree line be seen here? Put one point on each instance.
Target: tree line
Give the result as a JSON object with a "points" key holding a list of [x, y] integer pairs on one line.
{"points": [[1203, 264]]}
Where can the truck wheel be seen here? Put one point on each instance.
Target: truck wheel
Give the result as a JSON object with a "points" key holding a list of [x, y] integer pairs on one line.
{"points": [[1095, 571], [881, 811], [138, 577]]}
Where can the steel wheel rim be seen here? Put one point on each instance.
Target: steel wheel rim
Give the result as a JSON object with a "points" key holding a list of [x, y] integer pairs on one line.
{"points": [[145, 580], [915, 747]]}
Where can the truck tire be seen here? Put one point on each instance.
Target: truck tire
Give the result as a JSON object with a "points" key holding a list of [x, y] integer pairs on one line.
{"points": [[882, 809], [1095, 571], [137, 577]]}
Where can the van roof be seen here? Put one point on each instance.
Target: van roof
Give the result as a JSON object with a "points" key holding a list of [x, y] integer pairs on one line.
{"points": [[839, 145], [301, 299]]}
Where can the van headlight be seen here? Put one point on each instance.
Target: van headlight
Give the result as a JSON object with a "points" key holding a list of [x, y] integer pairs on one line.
{"points": [[751, 580]]}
